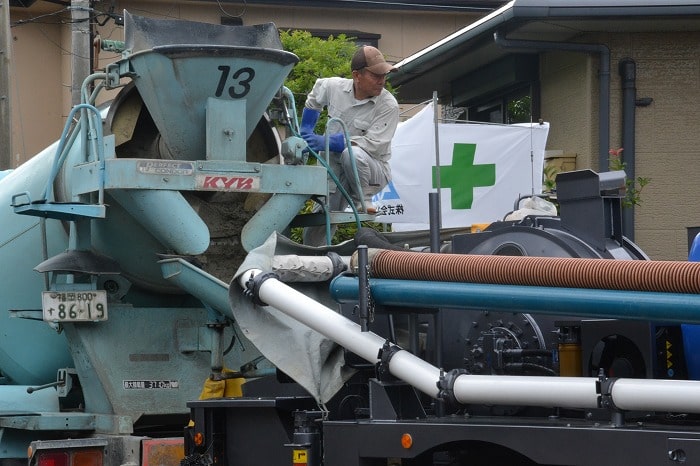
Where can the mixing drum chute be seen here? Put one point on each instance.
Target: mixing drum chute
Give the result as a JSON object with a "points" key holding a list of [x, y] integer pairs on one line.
{"points": [[223, 213], [166, 115]]}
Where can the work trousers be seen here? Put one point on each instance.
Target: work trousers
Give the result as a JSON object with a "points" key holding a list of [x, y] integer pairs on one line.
{"points": [[373, 175]]}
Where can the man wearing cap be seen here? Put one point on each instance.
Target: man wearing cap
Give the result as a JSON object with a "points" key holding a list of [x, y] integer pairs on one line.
{"points": [[370, 114]]}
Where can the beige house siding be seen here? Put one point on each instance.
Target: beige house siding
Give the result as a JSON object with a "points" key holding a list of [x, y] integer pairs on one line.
{"points": [[41, 97], [37, 81], [667, 138], [566, 88]]}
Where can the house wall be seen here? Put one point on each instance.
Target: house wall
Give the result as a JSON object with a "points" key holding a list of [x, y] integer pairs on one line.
{"points": [[37, 85], [566, 88], [41, 84], [667, 139]]}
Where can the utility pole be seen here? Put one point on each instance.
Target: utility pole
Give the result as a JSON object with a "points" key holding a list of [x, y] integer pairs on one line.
{"points": [[81, 46], [5, 114]]}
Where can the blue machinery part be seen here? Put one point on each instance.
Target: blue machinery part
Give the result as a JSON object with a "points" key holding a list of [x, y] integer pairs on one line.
{"points": [[581, 302]]}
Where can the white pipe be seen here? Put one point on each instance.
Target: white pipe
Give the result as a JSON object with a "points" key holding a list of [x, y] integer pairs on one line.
{"points": [[345, 332], [678, 396], [562, 392], [415, 371], [565, 392]]}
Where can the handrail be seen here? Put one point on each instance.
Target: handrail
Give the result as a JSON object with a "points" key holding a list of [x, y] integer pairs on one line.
{"points": [[60, 156], [92, 132]]}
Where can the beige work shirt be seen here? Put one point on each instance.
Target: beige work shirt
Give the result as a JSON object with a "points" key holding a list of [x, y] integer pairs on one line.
{"points": [[371, 123]]}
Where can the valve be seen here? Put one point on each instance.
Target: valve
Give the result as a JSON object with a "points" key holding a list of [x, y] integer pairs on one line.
{"points": [[293, 151]]}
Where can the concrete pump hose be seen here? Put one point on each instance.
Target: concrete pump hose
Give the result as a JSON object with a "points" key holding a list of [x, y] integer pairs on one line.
{"points": [[574, 392], [633, 275]]}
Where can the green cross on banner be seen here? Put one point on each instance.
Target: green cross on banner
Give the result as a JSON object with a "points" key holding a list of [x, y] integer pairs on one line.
{"points": [[463, 176]]}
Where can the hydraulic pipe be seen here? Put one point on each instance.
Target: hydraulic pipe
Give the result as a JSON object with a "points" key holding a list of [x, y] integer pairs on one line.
{"points": [[564, 392], [574, 392], [664, 395], [578, 392], [580, 302]]}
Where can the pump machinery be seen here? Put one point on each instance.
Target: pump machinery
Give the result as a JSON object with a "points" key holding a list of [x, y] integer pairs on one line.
{"points": [[155, 311]]}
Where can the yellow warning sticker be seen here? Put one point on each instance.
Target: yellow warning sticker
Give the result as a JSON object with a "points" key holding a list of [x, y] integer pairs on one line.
{"points": [[299, 457]]}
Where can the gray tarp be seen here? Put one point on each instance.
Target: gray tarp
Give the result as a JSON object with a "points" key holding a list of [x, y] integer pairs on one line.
{"points": [[314, 362]]}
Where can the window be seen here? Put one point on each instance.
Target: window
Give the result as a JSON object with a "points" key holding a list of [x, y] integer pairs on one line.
{"points": [[506, 91], [510, 107]]}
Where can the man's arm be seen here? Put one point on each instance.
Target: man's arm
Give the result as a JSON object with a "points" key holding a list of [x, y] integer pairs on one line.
{"points": [[317, 142], [317, 99]]}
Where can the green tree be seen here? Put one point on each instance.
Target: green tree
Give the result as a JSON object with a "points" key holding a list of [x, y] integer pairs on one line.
{"points": [[519, 110], [318, 58]]}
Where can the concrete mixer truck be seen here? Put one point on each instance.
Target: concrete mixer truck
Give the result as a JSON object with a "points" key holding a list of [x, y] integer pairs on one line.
{"points": [[154, 310], [173, 168]]}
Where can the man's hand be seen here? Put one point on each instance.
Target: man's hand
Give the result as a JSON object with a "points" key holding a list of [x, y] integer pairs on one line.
{"points": [[314, 141], [317, 143]]}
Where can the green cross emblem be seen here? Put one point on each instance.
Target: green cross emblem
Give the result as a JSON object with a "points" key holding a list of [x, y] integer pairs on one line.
{"points": [[463, 176]]}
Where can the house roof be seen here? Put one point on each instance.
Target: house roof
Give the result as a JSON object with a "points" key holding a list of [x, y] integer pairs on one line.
{"points": [[436, 66]]}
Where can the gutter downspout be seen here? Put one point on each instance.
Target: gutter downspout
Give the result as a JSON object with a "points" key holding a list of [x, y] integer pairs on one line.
{"points": [[603, 80], [628, 75]]}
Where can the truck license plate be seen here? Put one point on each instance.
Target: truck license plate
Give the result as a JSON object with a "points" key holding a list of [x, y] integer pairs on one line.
{"points": [[74, 306]]}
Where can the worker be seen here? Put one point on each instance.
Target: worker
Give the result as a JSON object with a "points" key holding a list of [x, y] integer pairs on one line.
{"points": [[370, 114]]}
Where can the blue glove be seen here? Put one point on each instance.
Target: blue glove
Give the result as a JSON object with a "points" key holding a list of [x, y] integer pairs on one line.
{"points": [[309, 118], [336, 142], [317, 143], [314, 141]]}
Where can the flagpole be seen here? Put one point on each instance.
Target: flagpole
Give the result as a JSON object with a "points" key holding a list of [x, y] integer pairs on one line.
{"points": [[532, 162], [532, 166], [437, 160]]}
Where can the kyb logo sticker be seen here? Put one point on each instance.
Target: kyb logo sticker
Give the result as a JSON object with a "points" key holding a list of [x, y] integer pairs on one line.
{"points": [[227, 183]]}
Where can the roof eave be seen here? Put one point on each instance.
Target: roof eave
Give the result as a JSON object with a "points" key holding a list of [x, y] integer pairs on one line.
{"points": [[519, 12]]}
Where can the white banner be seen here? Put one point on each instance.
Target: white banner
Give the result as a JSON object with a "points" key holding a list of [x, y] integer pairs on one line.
{"points": [[484, 169]]}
